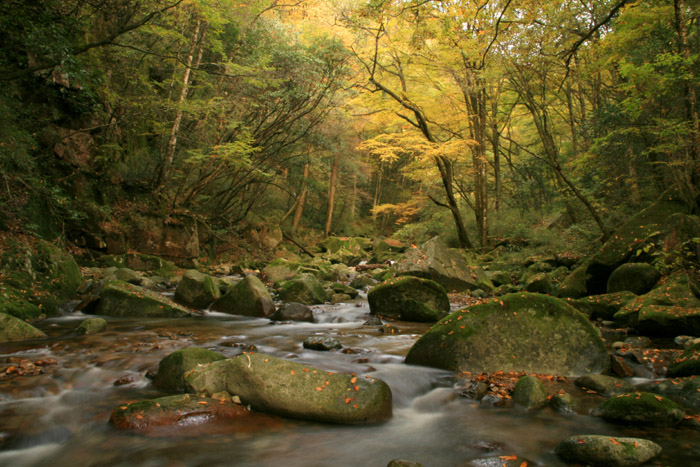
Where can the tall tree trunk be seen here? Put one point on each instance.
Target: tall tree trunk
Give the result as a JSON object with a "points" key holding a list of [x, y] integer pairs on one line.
{"points": [[353, 204], [301, 200], [331, 196], [496, 148], [196, 49]]}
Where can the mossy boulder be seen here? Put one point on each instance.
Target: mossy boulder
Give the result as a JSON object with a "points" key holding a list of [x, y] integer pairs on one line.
{"points": [[685, 391], [686, 364], [280, 270], [196, 290], [291, 389], [91, 326], [293, 312], [172, 369], [339, 288], [183, 410], [638, 278], [517, 332], [529, 392], [360, 282], [669, 309], [602, 306], [322, 343], [125, 275], [127, 300], [604, 385], [449, 267], [641, 408], [574, 285], [306, 290], [538, 283], [599, 450], [249, 297], [14, 329], [409, 299]]}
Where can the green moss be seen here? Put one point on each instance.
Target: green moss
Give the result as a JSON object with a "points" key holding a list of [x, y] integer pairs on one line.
{"points": [[14, 329], [641, 408], [687, 364], [410, 299], [127, 300], [172, 369]]}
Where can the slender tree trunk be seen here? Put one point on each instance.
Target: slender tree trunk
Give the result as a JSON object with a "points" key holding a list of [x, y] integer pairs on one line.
{"points": [[353, 204], [197, 44], [331, 196], [496, 148], [301, 200]]}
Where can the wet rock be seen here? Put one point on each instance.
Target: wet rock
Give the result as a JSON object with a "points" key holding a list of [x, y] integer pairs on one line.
{"points": [[388, 329], [373, 321], [249, 297], [306, 289], [403, 463], [500, 461], [409, 299], [173, 368], [91, 326], [620, 367], [183, 410], [638, 341], [518, 332], [562, 402], [124, 380], [14, 329], [126, 275], [490, 400], [529, 392], [687, 364], [294, 312], [686, 341], [685, 391], [604, 385], [642, 408], [339, 288], [322, 343], [607, 451], [638, 278], [196, 290], [476, 390], [292, 389], [127, 300], [340, 298], [449, 267]]}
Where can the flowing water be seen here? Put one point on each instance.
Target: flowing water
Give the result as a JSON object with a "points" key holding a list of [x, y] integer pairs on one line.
{"points": [[60, 418]]}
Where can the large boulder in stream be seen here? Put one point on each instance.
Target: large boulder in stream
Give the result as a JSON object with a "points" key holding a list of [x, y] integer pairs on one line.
{"points": [[306, 290], [638, 278], [607, 450], [172, 369], [196, 289], [409, 299], [640, 408], [183, 410], [685, 391], [127, 300], [449, 267], [686, 364], [14, 329], [518, 332], [249, 297], [291, 389]]}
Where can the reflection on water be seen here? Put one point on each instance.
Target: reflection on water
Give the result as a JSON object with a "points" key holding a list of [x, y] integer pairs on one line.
{"points": [[59, 418]]}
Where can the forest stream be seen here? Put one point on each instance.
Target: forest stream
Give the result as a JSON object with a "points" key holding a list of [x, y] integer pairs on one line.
{"points": [[60, 417]]}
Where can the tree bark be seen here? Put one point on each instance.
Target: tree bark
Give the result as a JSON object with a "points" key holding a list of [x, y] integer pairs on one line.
{"points": [[301, 200], [331, 196]]}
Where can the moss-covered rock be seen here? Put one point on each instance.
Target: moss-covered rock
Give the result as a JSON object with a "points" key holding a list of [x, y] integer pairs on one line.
{"points": [[172, 369], [602, 306], [196, 289], [449, 267], [14, 329], [291, 389], [127, 300], [670, 309], [249, 297], [574, 285], [638, 278], [641, 408], [306, 289], [409, 299], [538, 283], [518, 332], [602, 384], [529, 392], [684, 391], [362, 281], [339, 288], [91, 326], [599, 450], [183, 410], [293, 312], [687, 364], [322, 343], [280, 270]]}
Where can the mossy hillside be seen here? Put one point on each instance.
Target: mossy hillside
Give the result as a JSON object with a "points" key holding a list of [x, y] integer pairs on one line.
{"points": [[292, 389], [518, 332], [126, 300], [36, 277], [14, 329], [409, 299], [641, 408], [624, 242]]}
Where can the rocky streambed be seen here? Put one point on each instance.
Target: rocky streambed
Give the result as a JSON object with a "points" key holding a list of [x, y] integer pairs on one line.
{"points": [[57, 395]]}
